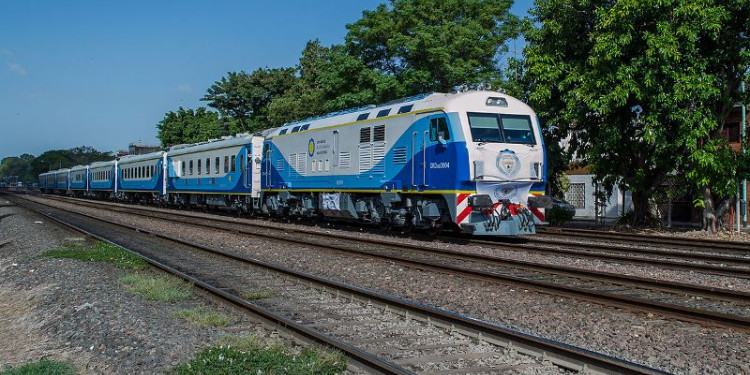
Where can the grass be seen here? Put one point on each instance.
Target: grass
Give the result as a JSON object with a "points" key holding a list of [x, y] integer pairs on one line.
{"points": [[248, 356], [161, 288], [202, 315], [43, 367], [257, 294], [97, 252]]}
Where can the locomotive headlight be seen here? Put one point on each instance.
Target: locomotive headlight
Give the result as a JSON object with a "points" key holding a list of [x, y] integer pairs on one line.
{"points": [[494, 101]]}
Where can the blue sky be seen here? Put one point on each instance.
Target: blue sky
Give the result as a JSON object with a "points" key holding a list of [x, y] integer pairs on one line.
{"points": [[103, 73]]}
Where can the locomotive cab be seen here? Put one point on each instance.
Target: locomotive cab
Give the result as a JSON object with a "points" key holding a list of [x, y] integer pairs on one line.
{"points": [[506, 157]]}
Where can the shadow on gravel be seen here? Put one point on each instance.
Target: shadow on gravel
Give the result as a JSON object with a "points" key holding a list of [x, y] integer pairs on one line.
{"points": [[4, 216]]}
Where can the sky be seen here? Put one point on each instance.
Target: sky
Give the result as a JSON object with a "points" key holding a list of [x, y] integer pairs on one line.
{"points": [[104, 73]]}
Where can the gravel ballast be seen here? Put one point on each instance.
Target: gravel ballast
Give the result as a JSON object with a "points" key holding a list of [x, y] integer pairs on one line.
{"points": [[64, 309], [672, 346]]}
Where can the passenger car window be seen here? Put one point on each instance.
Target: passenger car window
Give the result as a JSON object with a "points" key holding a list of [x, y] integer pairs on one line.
{"points": [[363, 116], [384, 112]]}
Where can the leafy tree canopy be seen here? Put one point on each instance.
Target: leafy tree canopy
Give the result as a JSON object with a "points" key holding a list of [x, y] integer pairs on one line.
{"points": [[55, 159], [433, 45], [245, 97], [643, 87], [19, 166], [191, 126]]}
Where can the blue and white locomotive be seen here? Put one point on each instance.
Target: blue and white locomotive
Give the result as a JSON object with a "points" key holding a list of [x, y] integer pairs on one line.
{"points": [[466, 161]]}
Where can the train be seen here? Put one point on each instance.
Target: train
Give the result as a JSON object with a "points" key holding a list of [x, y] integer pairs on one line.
{"points": [[467, 161]]}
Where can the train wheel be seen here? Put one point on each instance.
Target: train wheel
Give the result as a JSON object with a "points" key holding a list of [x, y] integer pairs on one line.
{"points": [[385, 224], [435, 229]]}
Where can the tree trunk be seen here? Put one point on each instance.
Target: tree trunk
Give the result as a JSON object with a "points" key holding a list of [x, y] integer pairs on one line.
{"points": [[709, 212], [640, 209]]}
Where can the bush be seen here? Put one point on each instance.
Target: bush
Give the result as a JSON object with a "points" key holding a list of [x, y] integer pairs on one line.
{"points": [[558, 216]]}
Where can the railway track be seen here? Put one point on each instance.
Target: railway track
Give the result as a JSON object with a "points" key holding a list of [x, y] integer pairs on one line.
{"points": [[714, 305], [382, 333], [729, 247]]}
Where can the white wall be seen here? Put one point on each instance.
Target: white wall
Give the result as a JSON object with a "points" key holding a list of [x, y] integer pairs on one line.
{"points": [[613, 206]]}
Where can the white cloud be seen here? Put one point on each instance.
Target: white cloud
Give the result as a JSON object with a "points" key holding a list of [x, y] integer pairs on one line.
{"points": [[17, 68], [6, 52], [184, 88]]}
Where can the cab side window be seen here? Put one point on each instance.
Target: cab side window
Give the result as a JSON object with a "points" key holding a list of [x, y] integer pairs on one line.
{"points": [[439, 128]]}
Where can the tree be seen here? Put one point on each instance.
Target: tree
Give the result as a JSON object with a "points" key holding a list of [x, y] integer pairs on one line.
{"points": [[245, 97], [56, 159], [434, 45], [191, 126], [331, 80], [637, 84], [19, 166]]}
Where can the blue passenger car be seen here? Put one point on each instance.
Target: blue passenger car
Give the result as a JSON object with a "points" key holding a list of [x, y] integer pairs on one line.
{"points": [[140, 177], [78, 180], [102, 179], [215, 173], [61, 181]]}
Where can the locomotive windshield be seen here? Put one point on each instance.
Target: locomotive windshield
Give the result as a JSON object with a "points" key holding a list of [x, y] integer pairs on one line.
{"points": [[501, 128]]}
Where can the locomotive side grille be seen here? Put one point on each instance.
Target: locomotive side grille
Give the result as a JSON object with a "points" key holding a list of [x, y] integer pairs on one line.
{"points": [[399, 155], [302, 164], [379, 133], [292, 163], [365, 158], [280, 164], [345, 158], [365, 134], [378, 154]]}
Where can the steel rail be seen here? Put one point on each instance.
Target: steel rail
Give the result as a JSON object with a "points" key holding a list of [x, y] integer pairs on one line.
{"points": [[706, 291], [647, 238], [675, 311], [364, 358], [697, 255], [730, 271], [560, 354]]}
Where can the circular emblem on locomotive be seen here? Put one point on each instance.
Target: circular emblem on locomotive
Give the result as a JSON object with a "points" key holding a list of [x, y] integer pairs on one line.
{"points": [[504, 192], [311, 147], [507, 163]]}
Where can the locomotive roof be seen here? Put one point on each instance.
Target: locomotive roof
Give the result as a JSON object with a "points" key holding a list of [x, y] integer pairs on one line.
{"points": [[136, 158], [412, 105]]}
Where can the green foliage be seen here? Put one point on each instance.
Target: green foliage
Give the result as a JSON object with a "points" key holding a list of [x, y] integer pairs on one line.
{"points": [[257, 294], [55, 159], [558, 216], [98, 252], [330, 80], [162, 288], [249, 357], [409, 47], [191, 126], [202, 315], [19, 166], [43, 367], [433, 45], [245, 97], [591, 62]]}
